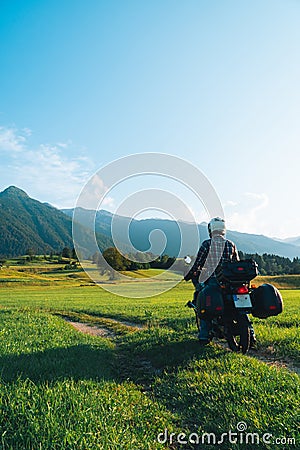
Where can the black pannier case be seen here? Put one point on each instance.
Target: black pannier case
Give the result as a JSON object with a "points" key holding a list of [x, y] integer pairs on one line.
{"points": [[210, 302], [235, 271], [266, 301]]}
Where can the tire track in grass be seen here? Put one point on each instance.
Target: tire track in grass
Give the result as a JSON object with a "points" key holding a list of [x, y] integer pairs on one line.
{"points": [[113, 325], [266, 356], [92, 330], [141, 367]]}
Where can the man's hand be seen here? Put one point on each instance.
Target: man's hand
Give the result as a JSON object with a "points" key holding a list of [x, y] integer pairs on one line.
{"points": [[191, 275]]}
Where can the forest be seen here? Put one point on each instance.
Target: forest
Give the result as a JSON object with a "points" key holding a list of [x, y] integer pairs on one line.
{"points": [[274, 264], [267, 264]]}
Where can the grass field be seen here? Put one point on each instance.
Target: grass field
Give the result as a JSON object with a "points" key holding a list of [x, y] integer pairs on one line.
{"points": [[63, 389]]}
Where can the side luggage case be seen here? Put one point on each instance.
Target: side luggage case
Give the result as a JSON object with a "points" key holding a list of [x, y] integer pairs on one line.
{"points": [[266, 301], [210, 302]]}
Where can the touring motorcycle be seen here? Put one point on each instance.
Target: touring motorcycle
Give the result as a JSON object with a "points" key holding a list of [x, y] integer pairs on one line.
{"points": [[228, 302]]}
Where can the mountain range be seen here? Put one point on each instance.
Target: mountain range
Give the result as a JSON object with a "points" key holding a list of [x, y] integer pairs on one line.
{"points": [[291, 240], [27, 223], [140, 230]]}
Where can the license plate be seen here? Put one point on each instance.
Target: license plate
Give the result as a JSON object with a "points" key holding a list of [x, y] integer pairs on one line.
{"points": [[242, 301]]}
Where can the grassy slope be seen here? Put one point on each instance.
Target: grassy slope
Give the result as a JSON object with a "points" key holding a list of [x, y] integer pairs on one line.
{"points": [[62, 389], [281, 332], [59, 389], [280, 281]]}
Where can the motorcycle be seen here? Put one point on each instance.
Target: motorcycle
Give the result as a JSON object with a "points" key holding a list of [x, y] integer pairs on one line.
{"points": [[227, 303]]}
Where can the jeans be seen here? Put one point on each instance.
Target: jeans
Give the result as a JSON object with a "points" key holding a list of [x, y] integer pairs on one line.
{"points": [[205, 327], [205, 324]]}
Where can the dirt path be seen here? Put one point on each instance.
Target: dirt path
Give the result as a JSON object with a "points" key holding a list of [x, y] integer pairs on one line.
{"points": [[268, 357], [143, 368], [101, 329], [92, 330]]}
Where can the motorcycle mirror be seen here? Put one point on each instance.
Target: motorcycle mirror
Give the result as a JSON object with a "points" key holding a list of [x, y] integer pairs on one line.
{"points": [[187, 260]]}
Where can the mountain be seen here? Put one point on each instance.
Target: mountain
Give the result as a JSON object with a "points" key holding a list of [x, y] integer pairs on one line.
{"points": [[258, 243], [27, 223], [141, 233], [293, 240], [140, 230]]}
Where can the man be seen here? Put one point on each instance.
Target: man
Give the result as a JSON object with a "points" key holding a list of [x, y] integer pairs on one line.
{"points": [[214, 251]]}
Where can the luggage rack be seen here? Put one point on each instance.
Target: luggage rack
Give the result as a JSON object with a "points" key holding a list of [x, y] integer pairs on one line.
{"points": [[237, 272]]}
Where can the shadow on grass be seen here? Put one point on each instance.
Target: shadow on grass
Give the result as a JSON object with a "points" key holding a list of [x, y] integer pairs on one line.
{"points": [[173, 354], [144, 359], [177, 324], [79, 362], [131, 360], [122, 317]]}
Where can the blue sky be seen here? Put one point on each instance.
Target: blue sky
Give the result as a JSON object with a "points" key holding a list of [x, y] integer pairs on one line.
{"points": [[214, 82]]}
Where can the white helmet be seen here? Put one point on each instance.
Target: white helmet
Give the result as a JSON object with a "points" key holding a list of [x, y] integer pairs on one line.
{"points": [[217, 224]]}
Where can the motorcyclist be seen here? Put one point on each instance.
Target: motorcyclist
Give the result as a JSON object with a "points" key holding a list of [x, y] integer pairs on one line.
{"points": [[213, 251]]}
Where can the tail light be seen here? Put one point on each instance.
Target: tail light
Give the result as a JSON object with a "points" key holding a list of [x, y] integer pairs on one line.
{"points": [[242, 290]]}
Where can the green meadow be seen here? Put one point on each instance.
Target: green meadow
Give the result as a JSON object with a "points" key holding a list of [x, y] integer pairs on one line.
{"points": [[64, 389]]}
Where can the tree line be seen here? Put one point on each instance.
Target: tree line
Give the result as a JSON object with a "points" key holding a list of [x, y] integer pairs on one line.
{"points": [[273, 264], [132, 261], [267, 264], [66, 253]]}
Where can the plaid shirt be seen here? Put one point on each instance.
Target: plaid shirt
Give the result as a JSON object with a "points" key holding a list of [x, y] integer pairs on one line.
{"points": [[212, 252]]}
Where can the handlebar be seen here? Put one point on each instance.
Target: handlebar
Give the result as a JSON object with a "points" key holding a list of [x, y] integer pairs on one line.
{"points": [[190, 304]]}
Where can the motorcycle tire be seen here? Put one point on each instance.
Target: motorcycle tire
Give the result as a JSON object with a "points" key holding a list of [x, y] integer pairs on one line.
{"points": [[238, 334]]}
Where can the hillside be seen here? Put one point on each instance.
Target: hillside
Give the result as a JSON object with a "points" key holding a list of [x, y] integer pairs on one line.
{"points": [[293, 240], [27, 223], [140, 230], [255, 243]]}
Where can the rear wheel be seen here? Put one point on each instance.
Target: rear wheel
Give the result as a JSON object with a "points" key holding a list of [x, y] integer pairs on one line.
{"points": [[238, 334]]}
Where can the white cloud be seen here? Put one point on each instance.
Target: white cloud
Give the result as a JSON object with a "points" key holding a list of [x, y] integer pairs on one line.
{"points": [[230, 203], [12, 141], [27, 131], [199, 215], [46, 172], [109, 202], [63, 144], [248, 214], [92, 194], [260, 201]]}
